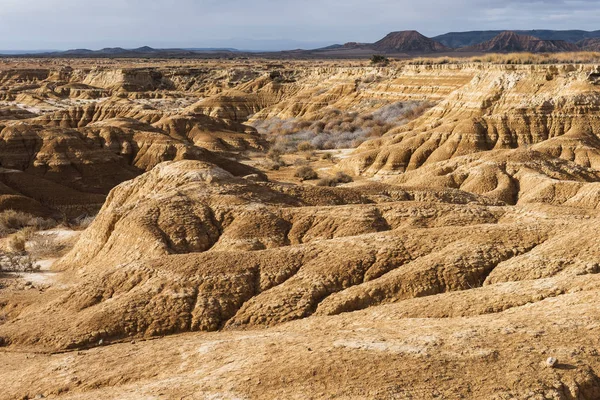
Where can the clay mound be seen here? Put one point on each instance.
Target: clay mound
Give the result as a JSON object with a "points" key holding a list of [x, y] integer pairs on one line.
{"points": [[15, 113], [204, 131], [62, 156], [187, 207], [21, 203], [409, 42], [254, 95], [579, 145], [239, 289], [81, 116], [33, 192], [507, 42], [249, 289], [233, 105], [93, 160], [80, 91], [128, 79], [212, 133], [144, 146], [20, 76], [510, 176], [190, 206]]}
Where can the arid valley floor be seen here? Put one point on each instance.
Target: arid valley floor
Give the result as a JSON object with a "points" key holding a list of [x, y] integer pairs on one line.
{"points": [[261, 229]]}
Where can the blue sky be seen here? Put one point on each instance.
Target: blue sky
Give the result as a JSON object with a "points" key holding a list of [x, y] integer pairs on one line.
{"points": [[267, 24]]}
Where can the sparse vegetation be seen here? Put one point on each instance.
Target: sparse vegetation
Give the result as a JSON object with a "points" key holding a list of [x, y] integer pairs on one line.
{"points": [[336, 129], [24, 243], [582, 57], [14, 257], [12, 221], [49, 245]]}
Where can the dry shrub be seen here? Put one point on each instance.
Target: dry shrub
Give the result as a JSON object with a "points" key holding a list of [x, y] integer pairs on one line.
{"points": [[327, 157], [305, 146], [273, 161], [16, 242], [15, 258], [306, 173], [274, 154], [310, 155], [339, 178], [12, 221], [49, 245], [343, 178], [17, 262]]}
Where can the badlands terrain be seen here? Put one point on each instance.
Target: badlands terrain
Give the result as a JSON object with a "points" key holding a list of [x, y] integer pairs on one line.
{"points": [[255, 229]]}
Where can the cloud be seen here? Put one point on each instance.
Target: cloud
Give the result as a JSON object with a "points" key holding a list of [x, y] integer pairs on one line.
{"points": [[268, 23]]}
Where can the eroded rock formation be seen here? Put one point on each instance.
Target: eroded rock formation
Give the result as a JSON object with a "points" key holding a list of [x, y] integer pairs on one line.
{"points": [[463, 256]]}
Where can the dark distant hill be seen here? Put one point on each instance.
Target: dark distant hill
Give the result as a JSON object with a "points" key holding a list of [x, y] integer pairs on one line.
{"points": [[411, 42], [72, 51], [592, 44], [508, 42], [354, 45], [407, 42], [465, 39], [143, 52]]}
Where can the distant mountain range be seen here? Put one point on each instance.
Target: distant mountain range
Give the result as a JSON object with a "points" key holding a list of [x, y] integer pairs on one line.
{"points": [[513, 42], [412, 42], [395, 43], [140, 52], [457, 40]]}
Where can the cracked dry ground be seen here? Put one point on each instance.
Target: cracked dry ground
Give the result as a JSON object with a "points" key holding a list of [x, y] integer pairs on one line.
{"points": [[464, 255]]}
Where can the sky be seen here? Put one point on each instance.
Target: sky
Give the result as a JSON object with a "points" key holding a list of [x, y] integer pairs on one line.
{"points": [[267, 24]]}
